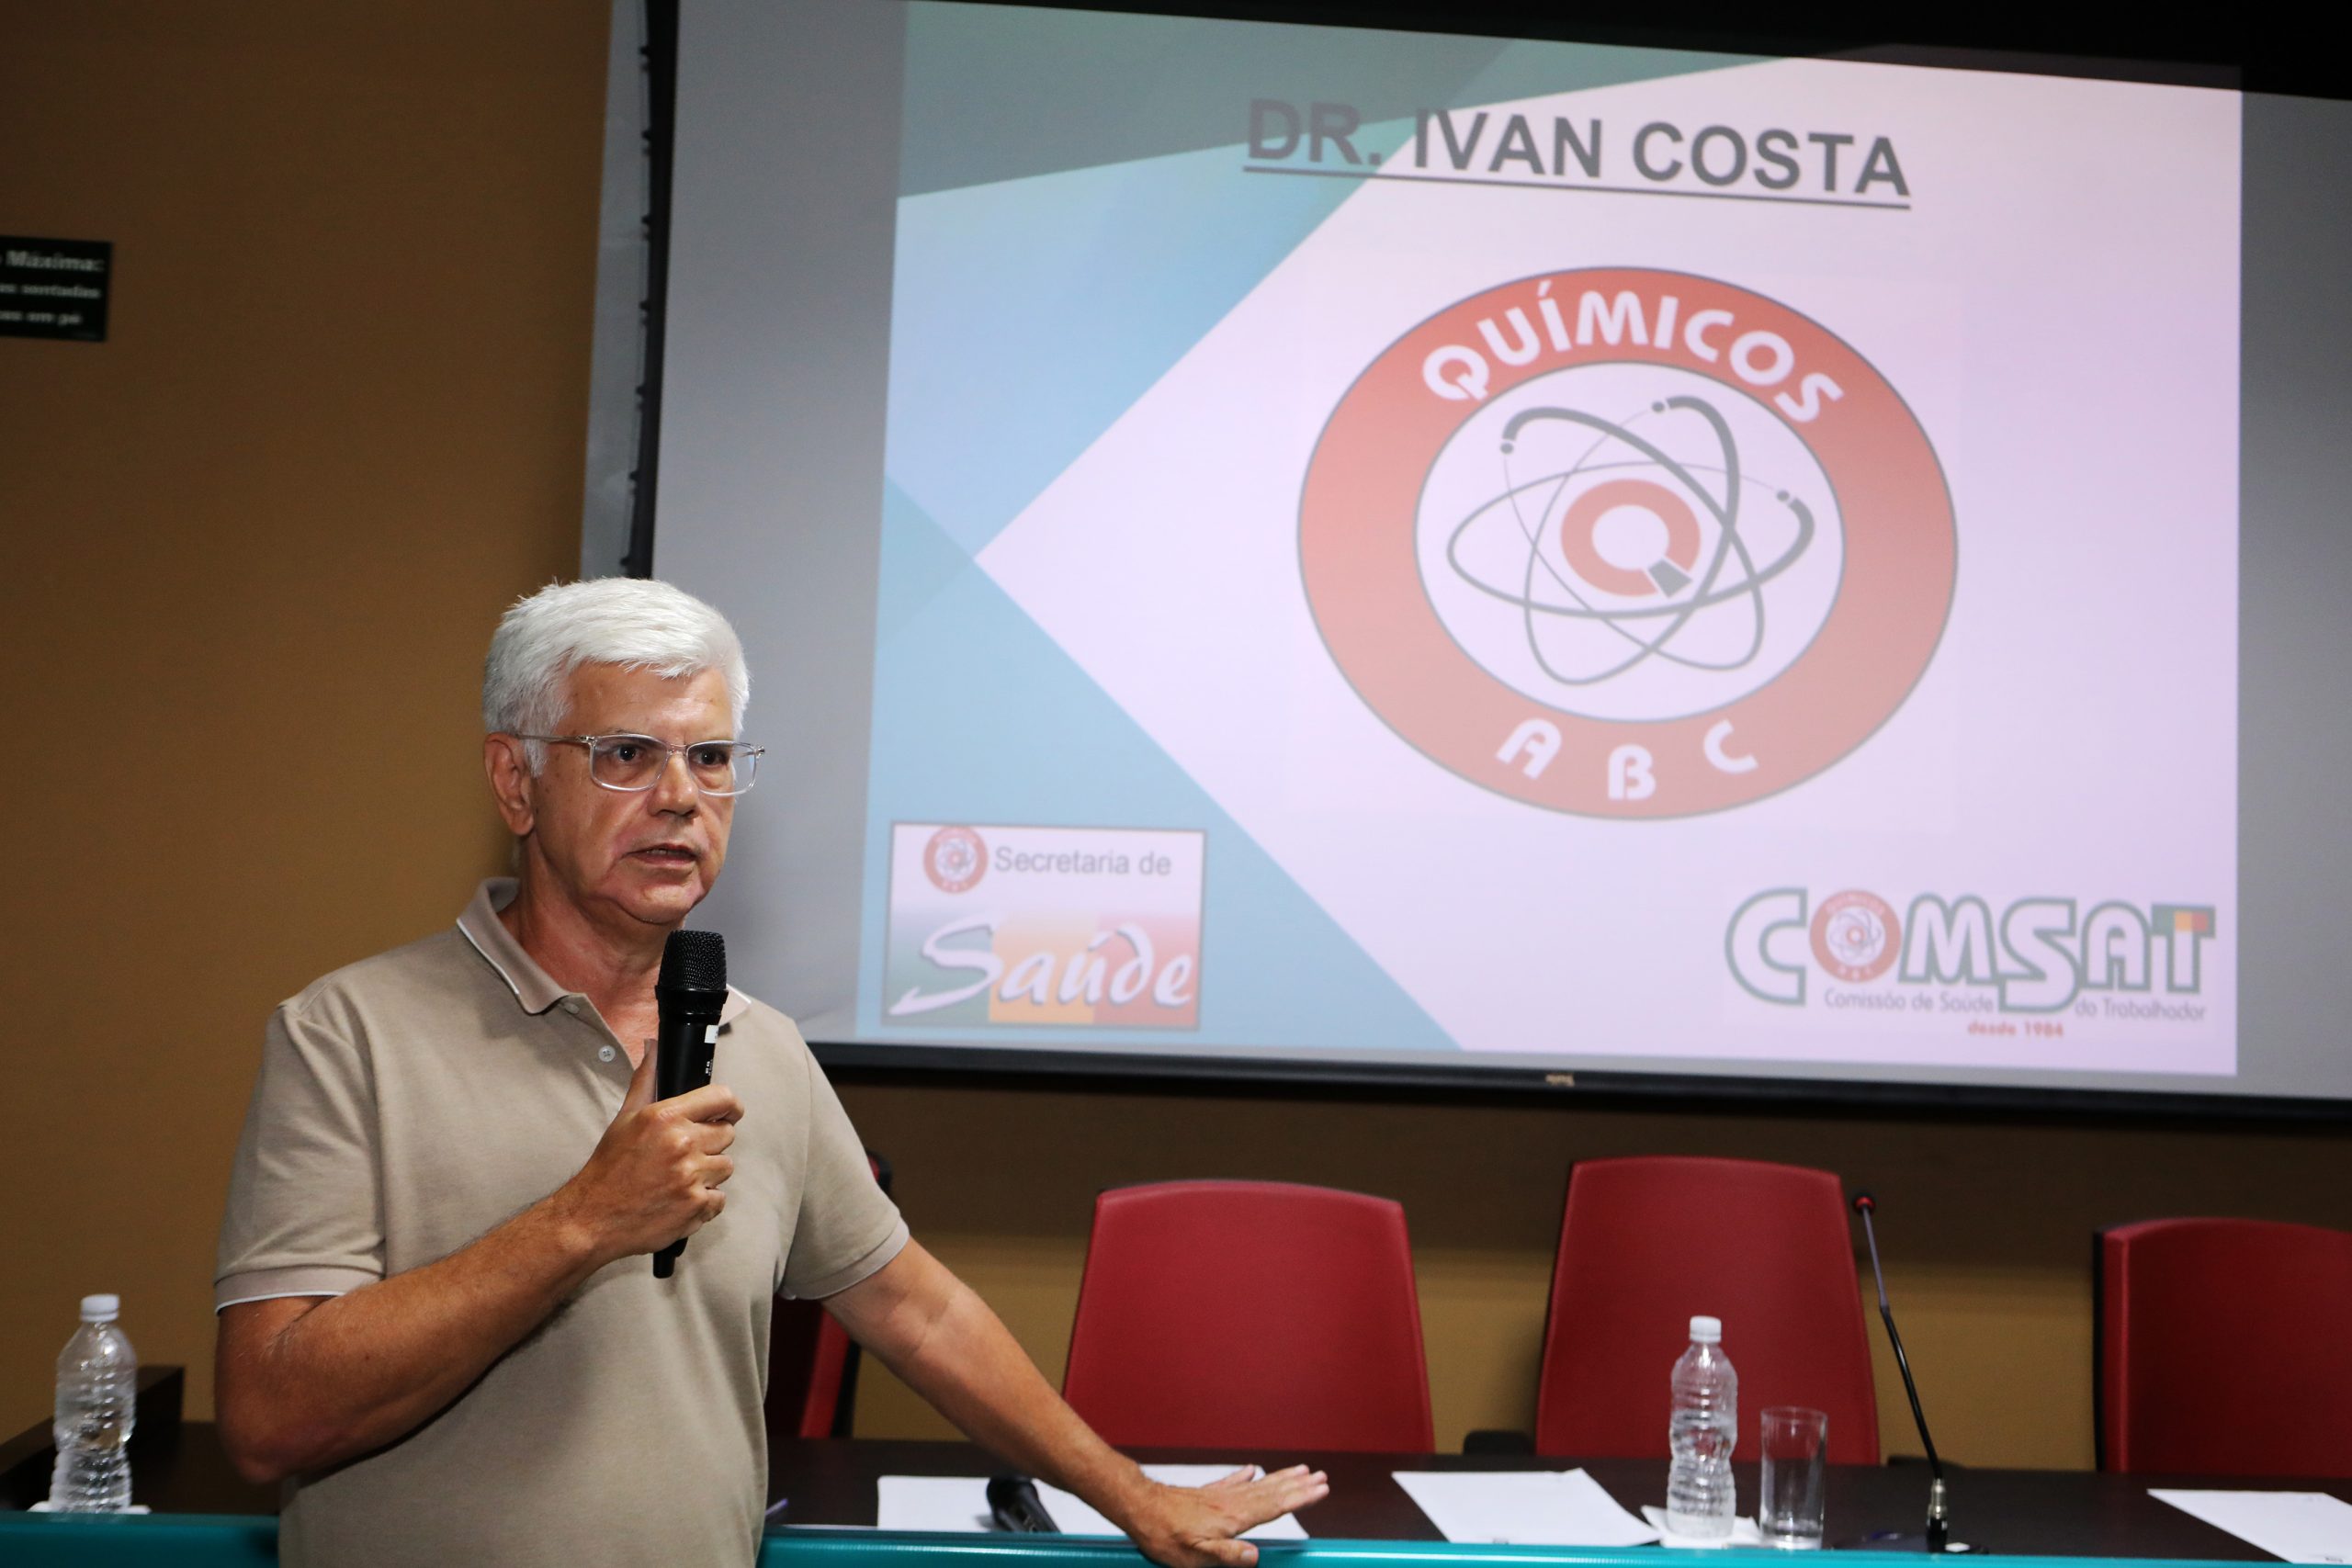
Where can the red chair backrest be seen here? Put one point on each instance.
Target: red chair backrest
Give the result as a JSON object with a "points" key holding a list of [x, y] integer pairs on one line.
{"points": [[807, 1353], [1250, 1315], [2223, 1349], [1648, 1243]]}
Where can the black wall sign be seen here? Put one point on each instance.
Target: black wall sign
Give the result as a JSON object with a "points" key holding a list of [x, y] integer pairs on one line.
{"points": [[54, 288]]}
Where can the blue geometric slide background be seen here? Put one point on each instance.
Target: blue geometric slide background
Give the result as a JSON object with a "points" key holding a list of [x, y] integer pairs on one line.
{"points": [[1030, 311], [989, 721]]}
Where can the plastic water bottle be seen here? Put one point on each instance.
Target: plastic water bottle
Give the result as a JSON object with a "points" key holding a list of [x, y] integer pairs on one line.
{"points": [[1705, 1422], [97, 1394]]}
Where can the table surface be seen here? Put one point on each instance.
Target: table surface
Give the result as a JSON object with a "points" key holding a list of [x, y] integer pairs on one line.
{"points": [[2018, 1515], [2039, 1513], [2013, 1513]]}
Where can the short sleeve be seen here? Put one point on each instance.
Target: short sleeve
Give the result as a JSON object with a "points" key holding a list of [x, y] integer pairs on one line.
{"points": [[305, 1212], [846, 1228]]}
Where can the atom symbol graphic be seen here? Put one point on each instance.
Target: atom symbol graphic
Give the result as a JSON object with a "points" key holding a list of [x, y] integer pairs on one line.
{"points": [[1576, 577]]}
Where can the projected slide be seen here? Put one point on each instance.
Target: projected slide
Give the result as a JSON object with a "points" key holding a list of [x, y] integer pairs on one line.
{"points": [[1545, 551]]}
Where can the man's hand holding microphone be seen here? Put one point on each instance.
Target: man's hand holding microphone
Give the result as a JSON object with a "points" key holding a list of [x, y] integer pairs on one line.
{"points": [[657, 1171]]}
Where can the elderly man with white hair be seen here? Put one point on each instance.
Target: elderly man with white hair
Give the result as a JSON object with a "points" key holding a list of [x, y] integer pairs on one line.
{"points": [[438, 1325]]}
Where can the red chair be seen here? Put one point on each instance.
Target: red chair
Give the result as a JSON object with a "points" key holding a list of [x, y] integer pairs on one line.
{"points": [[812, 1361], [1646, 1245], [1250, 1315], [2222, 1349]]}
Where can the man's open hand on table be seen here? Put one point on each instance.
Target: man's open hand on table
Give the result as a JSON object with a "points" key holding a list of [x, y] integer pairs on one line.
{"points": [[1199, 1527]]}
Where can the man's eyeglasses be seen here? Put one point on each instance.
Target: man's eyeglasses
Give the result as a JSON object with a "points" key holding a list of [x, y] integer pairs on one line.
{"points": [[636, 762]]}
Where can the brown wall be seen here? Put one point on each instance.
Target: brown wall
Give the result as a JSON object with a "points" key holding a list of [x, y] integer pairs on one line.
{"points": [[254, 545]]}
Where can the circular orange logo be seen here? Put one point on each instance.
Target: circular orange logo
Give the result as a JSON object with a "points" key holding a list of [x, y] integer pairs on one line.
{"points": [[954, 859], [1856, 936], [1627, 543]]}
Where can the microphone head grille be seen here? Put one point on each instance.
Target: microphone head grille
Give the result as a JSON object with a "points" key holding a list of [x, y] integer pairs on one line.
{"points": [[693, 960]]}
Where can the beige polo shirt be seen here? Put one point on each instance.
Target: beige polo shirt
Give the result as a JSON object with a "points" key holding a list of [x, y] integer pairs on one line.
{"points": [[411, 1102]]}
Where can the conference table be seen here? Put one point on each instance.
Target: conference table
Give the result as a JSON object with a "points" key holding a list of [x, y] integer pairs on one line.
{"points": [[824, 1499]]}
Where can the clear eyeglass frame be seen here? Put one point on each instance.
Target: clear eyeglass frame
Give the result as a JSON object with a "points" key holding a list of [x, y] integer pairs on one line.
{"points": [[741, 760]]}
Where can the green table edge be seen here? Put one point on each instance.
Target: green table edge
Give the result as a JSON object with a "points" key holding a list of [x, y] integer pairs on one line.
{"points": [[815, 1546], [232, 1541]]}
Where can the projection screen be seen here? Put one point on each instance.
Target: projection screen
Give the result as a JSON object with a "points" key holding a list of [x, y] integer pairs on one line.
{"points": [[1283, 549]]}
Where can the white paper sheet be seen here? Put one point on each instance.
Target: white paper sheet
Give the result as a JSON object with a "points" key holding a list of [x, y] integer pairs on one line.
{"points": [[957, 1503], [1542, 1508], [2301, 1527], [960, 1503], [1743, 1532]]}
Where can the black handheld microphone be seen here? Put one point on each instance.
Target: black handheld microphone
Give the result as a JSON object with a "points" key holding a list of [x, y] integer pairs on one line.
{"points": [[690, 991], [1014, 1506], [1937, 1535]]}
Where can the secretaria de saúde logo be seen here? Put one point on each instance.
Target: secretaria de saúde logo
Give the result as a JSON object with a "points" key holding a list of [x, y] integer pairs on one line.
{"points": [[1627, 543], [956, 858]]}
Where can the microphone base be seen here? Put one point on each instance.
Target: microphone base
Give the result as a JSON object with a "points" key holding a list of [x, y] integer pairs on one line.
{"points": [[1908, 1540]]}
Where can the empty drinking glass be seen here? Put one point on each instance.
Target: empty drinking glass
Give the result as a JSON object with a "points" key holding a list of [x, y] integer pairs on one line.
{"points": [[1796, 1448]]}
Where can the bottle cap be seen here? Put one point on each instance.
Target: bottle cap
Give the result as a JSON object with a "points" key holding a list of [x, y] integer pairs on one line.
{"points": [[101, 1309], [1706, 1330]]}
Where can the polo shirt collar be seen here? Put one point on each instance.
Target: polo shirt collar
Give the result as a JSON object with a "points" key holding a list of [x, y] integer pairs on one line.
{"points": [[481, 926]]}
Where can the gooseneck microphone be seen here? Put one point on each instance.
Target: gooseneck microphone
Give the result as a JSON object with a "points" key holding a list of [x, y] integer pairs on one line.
{"points": [[1937, 1537], [689, 993], [1013, 1505]]}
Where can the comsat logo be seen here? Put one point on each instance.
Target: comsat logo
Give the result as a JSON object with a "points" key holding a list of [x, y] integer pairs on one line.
{"points": [[1627, 543], [2037, 956]]}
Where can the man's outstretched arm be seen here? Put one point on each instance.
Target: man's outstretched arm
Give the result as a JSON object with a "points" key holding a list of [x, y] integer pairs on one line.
{"points": [[942, 1341]]}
